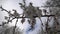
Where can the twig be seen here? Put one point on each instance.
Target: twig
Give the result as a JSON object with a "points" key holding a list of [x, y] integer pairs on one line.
{"points": [[15, 26]]}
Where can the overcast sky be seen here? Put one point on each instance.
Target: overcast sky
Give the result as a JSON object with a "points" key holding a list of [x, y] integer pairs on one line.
{"points": [[13, 4]]}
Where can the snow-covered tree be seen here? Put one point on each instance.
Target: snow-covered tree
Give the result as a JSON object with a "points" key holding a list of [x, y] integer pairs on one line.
{"points": [[31, 12]]}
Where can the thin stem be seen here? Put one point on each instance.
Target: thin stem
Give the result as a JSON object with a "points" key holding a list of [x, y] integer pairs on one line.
{"points": [[47, 26], [15, 26], [41, 25]]}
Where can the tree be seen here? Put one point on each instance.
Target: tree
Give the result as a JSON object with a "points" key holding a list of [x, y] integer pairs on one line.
{"points": [[53, 3], [30, 12], [54, 8]]}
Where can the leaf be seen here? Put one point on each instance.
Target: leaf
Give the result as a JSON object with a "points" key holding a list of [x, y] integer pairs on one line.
{"points": [[9, 20], [0, 25], [15, 13], [11, 15], [1, 8], [6, 17], [3, 23], [45, 11], [20, 4], [23, 20], [29, 21]]}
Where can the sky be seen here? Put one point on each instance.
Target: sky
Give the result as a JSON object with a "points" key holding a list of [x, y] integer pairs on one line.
{"points": [[13, 4]]}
